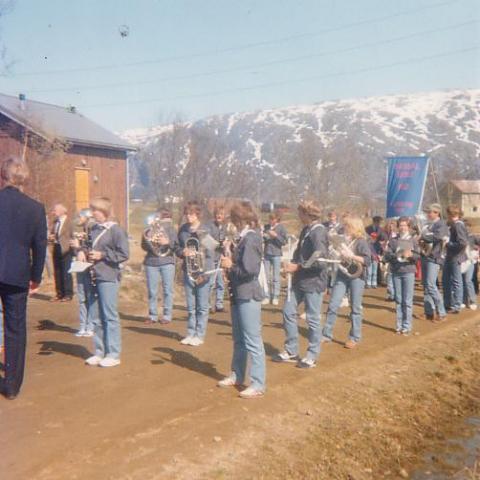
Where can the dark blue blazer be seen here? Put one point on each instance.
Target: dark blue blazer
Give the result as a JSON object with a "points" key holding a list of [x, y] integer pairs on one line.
{"points": [[23, 238]]}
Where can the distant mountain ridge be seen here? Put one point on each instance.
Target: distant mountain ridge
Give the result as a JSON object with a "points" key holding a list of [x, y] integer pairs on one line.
{"points": [[335, 149]]}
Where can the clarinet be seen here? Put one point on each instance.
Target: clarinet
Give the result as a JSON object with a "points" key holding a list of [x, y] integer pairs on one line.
{"points": [[91, 270]]}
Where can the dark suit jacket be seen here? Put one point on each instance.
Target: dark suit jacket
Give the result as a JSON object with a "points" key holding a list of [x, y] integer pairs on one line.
{"points": [[23, 238], [64, 236]]}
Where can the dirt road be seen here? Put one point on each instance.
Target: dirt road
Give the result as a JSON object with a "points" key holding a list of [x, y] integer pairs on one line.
{"points": [[159, 415]]}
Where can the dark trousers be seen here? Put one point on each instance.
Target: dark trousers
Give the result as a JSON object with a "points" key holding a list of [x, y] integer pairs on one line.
{"points": [[61, 266], [14, 301]]}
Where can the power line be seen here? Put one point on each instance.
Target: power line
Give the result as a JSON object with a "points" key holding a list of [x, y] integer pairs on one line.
{"points": [[244, 46], [288, 82], [258, 65]]}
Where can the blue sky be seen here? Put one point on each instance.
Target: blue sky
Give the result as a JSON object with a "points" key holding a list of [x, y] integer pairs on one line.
{"points": [[196, 58]]}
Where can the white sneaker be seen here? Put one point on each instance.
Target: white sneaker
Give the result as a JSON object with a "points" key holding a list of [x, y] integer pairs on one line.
{"points": [[306, 363], [196, 342], [462, 305], [473, 306], [94, 360], [88, 333], [285, 357], [81, 333], [251, 392], [109, 362], [265, 301], [229, 381], [275, 301], [187, 340], [345, 302]]}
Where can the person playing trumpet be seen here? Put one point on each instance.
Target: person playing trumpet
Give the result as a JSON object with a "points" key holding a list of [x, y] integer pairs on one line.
{"points": [[357, 250], [308, 285], [402, 253], [158, 241], [81, 237], [275, 237]]}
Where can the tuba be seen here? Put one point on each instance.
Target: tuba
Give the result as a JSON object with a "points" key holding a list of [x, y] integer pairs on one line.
{"points": [[350, 268], [155, 233]]}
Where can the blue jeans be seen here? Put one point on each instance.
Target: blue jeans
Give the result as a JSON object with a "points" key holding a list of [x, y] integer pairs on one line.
{"points": [[197, 297], [272, 269], [432, 300], [469, 295], [313, 305], [404, 284], [106, 321], [390, 288], [218, 285], [247, 340], [84, 290], [154, 274], [372, 274], [452, 285], [342, 285]]}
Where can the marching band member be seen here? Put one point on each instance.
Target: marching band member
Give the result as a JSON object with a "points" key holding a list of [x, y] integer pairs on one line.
{"points": [[357, 251], [197, 290], [218, 231], [308, 285], [469, 295], [244, 268], [81, 235], [391, 232], [455, 255], [402, 254], [377, 238], [332, 224], [158, 241], [109, 249], [275, 237], [432, 238]]}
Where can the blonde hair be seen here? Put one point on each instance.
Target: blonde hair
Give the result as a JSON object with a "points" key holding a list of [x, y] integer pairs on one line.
{"points": [[14, 172], [102, 204], [355, 226]]}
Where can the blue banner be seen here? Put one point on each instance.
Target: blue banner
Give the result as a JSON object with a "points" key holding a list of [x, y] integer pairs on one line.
{"points": [[405, 185]]}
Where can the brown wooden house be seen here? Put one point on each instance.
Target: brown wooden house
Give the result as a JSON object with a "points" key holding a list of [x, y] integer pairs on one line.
{"points": [[71, 158]]}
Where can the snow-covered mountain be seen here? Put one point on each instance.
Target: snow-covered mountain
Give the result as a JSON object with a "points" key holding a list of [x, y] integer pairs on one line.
{"points": [[333, 149]]}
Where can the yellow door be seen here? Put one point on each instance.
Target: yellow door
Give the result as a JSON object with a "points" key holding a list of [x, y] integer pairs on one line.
{"points": [[82, 192]]}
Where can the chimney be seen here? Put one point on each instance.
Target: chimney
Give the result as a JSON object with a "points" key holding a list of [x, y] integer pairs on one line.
{"points": [[22, 99]]}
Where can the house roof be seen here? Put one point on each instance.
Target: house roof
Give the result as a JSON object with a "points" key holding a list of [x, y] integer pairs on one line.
{"points": [[467, 186], [56, 122]]}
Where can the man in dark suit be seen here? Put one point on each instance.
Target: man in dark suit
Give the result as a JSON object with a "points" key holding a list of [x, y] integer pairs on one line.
{"points": [[60, 235], [23, 242]]}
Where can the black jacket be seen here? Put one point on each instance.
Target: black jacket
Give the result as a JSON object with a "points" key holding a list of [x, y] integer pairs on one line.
{"points": [[23, 238]]}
